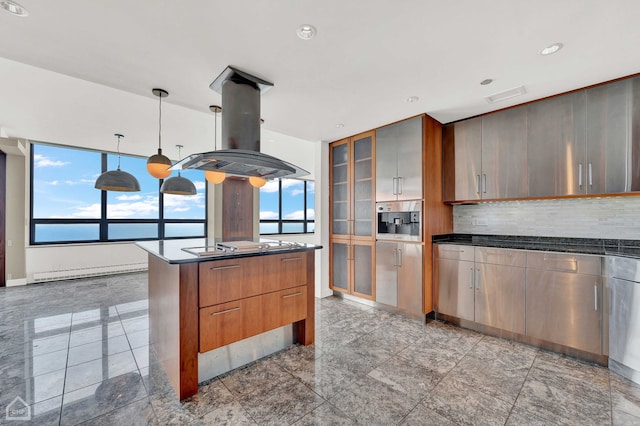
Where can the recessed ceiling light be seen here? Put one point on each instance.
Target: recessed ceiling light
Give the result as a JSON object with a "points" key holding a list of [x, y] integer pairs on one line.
{"points": [[306, 31], [339, 126], [549, 50], [13, 8], [486, 81], [412, 99]]}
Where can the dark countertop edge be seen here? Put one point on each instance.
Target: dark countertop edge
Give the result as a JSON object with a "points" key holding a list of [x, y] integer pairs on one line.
{"points": [[603, 247], [198, 259]]}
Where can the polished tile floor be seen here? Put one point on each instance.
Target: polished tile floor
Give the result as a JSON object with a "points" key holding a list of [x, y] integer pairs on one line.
{"points": [[77, 353]]}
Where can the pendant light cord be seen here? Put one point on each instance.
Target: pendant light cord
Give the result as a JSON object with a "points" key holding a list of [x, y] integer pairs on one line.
{"points": [[118, 148], [160, 122]]}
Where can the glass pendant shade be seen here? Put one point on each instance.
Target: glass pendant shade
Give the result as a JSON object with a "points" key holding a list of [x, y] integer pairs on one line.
{"points": [[117, 180], [158, 165], [257, 182], [214, 177], [178, 185]]}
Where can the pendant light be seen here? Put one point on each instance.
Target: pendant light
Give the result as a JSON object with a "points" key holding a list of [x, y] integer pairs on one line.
{"points": [[117, 180], [214, 176], [178, 185], [158, 164], [257, 182]]}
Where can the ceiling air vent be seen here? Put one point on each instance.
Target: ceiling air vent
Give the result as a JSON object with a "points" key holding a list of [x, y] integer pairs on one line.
{"points": [[507, 94]]}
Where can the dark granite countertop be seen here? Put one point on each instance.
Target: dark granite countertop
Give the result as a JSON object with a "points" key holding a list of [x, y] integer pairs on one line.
{"points": [[628, 248], [186, 251]]}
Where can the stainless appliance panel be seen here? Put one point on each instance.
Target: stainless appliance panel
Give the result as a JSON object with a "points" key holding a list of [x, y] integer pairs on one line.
{"points": [[504, 155], [454, 251], [608, 167], [455, 288], [386, 273], [399, 220], [564, 308], [500, 256], [624, 316], [399, 161], [500, 297], [410, 278], [556, 146]]}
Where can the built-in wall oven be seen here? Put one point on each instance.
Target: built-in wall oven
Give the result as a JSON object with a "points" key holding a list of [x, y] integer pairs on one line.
{"points": [[399, 221]]}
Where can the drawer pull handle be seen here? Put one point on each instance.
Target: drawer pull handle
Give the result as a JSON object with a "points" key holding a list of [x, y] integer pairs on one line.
{"points": [[292, 295], [291, 259], [217, 268], [452, 250], [225, 312]]}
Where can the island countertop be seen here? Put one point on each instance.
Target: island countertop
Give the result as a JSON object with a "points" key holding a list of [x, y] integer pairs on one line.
{"points": [[206, 249]]}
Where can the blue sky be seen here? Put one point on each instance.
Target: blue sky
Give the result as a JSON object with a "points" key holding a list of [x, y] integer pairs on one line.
{"points": [[63, 186], [292, 200]]}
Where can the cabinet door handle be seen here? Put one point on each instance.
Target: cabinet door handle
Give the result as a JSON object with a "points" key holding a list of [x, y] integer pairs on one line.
{"points": [[217, 268], [477, 279], [399, 178], [291, 259], [292, 295], [484, 183], [395, 257], [470, 277], [452, 250], [590, 173], [394, 190], [225, 312], [595, 296], [399, 258], [580, 175], [478, 184]]}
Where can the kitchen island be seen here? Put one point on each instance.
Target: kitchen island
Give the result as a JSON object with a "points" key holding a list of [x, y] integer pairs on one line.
{"points": [[206, 296]]}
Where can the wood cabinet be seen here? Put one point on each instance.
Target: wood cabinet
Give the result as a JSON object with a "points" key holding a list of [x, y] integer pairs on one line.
{"points": [[352, 225], [242, 297]]}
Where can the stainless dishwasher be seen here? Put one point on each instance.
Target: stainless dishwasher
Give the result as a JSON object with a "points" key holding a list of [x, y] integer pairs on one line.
{"points": [[624, 316]]}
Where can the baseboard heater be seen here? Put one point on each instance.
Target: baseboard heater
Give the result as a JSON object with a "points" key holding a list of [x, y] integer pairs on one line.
{"points": [[94, 271]]}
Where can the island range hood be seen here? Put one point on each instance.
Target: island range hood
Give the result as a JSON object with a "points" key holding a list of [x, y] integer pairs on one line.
{"points": [[240, 154]]}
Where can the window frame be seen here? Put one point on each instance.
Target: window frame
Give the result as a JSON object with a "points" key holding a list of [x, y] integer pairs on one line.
{"points": [[104, 222], [280, 221]]}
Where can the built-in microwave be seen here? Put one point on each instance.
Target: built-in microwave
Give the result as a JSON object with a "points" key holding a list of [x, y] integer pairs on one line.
{"points": [[399, 220]]}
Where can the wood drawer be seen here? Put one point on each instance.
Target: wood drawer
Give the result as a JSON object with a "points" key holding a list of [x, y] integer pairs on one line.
{"points": [[284, 271], [284, 307], [230, 322], [230, 279]]}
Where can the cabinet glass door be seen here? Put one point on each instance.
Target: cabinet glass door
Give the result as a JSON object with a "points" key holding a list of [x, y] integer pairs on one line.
{"points": [[340, 266], [363, 270], [340, 189], [363, 203]]}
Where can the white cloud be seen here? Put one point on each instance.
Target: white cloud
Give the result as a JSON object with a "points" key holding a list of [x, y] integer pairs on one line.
{"points": [[295, 192], [90, 211], [199, 184], [299, 215], [128, 197], [53, 183], [42, 161], [268, 215], [182, 209], [270, 186], [126, 210]]}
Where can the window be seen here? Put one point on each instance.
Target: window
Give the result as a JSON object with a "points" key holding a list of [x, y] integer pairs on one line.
{"points": [[66, 208], [287, 207]]}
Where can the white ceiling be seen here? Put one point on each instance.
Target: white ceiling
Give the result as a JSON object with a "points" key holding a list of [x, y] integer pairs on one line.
{"points": [[367, 58]]}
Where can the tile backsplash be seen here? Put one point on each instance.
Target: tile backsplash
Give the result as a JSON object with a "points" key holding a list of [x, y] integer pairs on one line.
{"points": [[607, 217]]}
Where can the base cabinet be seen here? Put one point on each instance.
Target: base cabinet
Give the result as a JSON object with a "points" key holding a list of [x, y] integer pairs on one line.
{"points": [[546, 296], [399, 276]]}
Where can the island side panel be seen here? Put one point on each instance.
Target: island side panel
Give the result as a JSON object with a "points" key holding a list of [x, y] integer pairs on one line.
{"points": [[173, 322], [304, 331], [164, 316]]}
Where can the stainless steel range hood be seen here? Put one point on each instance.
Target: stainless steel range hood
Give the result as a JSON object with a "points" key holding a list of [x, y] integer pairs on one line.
{"points": [[240, 154]]}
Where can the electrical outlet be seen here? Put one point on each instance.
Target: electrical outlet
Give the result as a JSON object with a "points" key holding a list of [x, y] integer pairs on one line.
{"points": [[483, 221], [9, 276], [9, 243]]}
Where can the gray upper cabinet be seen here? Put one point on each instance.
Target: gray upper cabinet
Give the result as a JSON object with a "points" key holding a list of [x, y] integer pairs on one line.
{"points": [[610, 115], [556, 145], [462, 155], [581, 143], [488, 157], [399, 161]]}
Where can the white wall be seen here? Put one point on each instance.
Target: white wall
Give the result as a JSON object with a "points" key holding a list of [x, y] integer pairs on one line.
{"points": [[606, 218], [15, 221]]}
